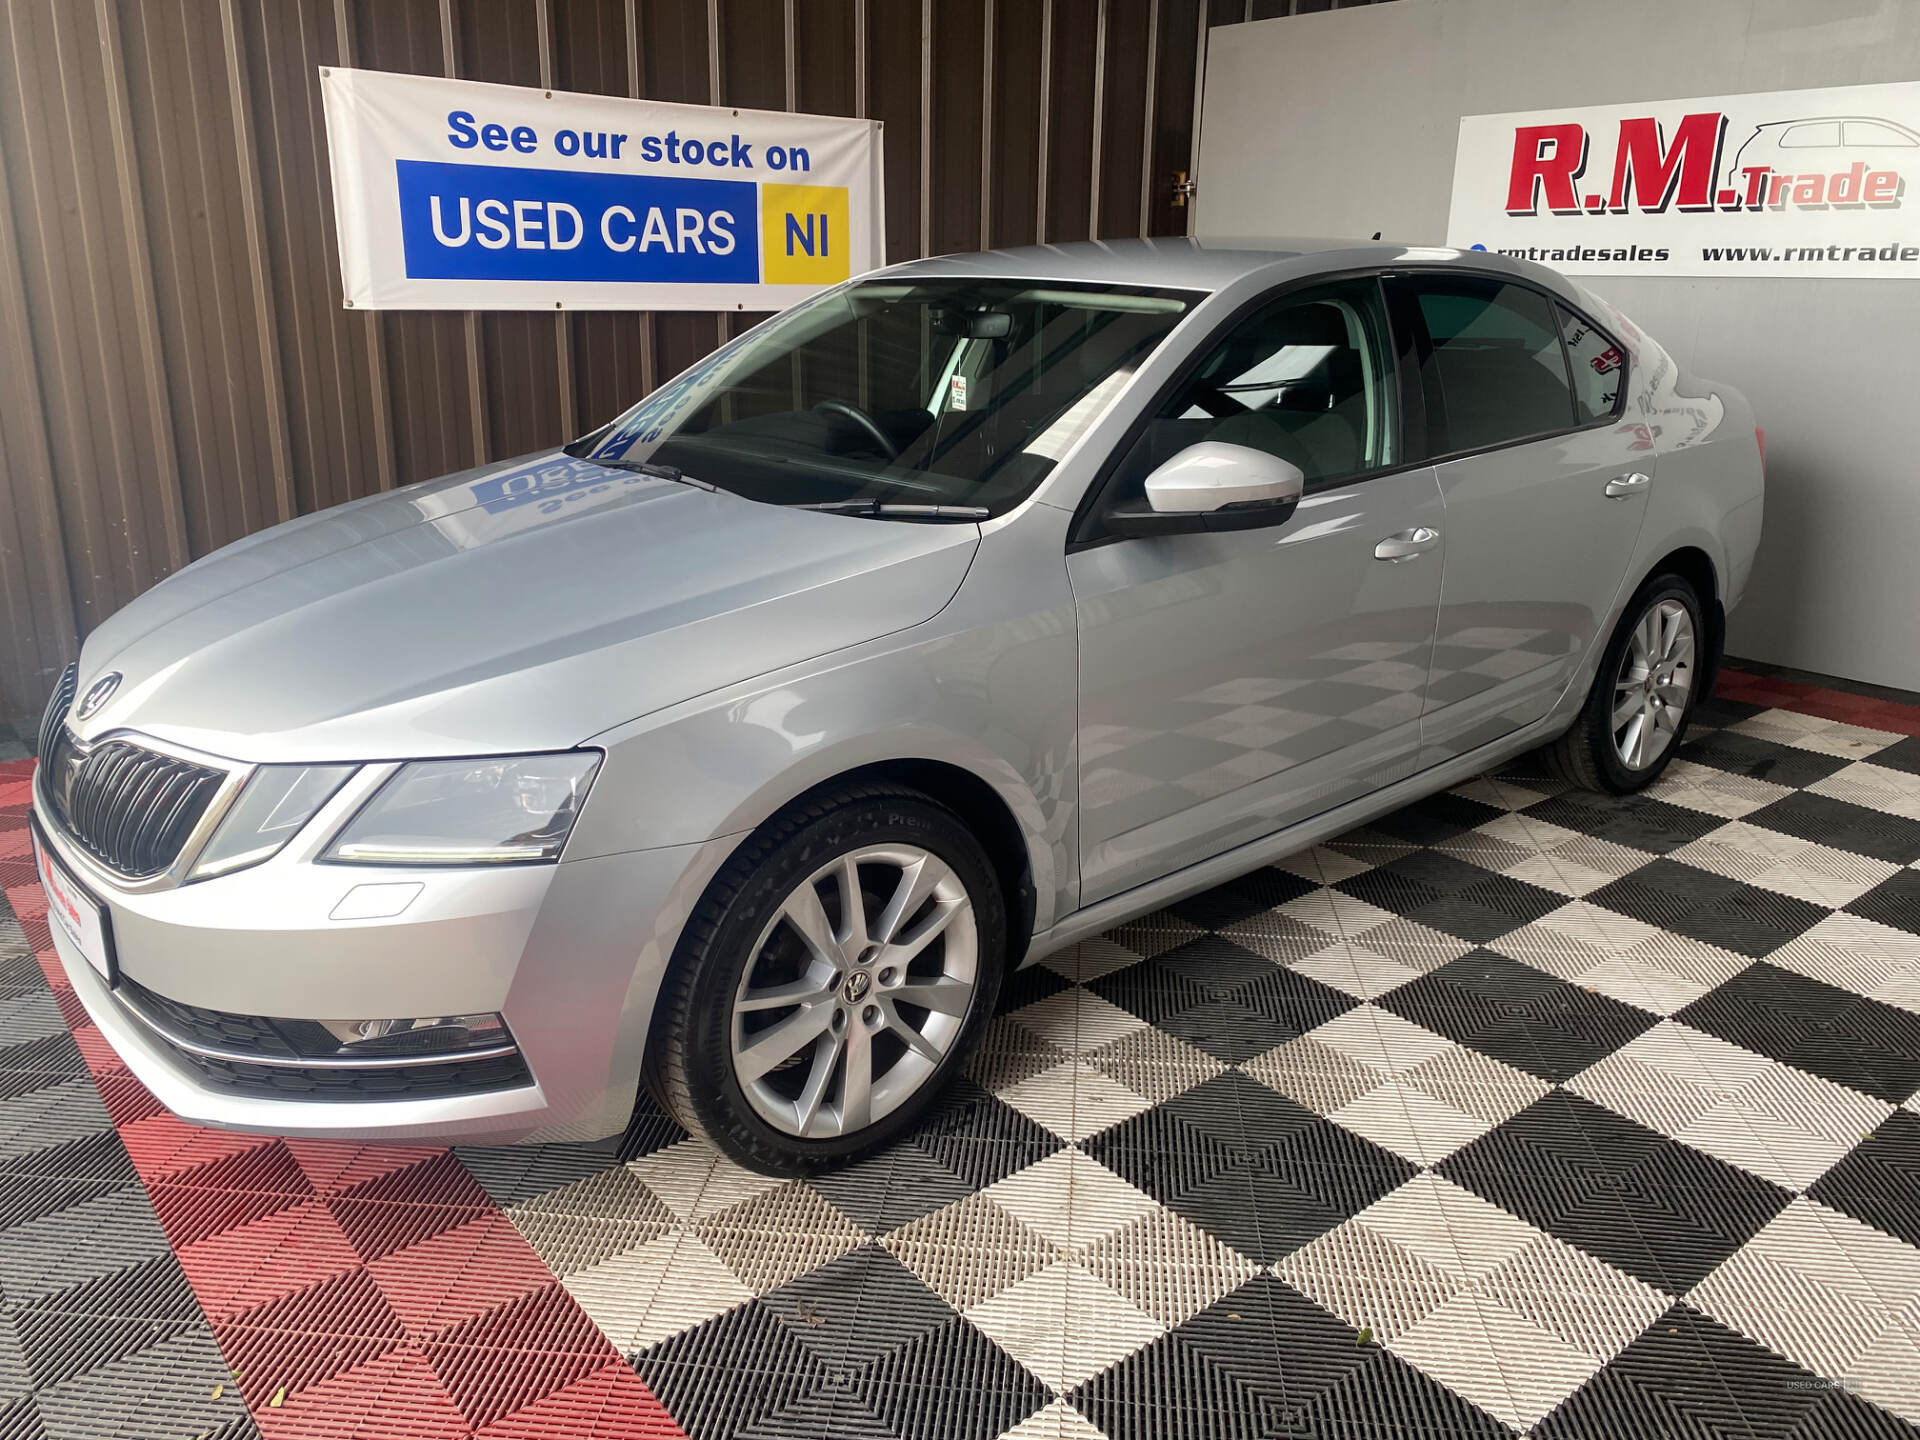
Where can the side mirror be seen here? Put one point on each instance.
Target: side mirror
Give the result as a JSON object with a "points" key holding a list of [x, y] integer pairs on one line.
{"points": [[1213, 486]]}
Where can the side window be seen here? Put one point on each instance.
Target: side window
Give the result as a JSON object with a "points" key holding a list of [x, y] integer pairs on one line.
{"points": [[1873, 132], [1820, 133], [1308, 378], [1495, 368], [1599, 367]]}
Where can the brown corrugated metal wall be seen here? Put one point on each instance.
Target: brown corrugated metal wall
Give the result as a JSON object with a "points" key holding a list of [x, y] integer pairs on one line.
{"points": [[176, 368]]}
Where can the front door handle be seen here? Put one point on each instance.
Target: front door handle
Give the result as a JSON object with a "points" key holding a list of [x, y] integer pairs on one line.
{"points": [[1407, 545], [1631, 483]]}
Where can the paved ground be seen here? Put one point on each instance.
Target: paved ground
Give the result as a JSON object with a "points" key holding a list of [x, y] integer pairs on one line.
{"points": [[1519, 1111]]}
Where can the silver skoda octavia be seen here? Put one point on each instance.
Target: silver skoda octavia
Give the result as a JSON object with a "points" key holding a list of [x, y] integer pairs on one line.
{"points": [[741, 747]]}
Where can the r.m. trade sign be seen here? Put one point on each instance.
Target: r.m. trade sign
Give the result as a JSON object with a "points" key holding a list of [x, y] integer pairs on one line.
{"points": [[1787, 183]]}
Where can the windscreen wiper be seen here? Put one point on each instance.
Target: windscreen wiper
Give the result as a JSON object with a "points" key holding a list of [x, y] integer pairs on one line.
{"points": [[885, 511], [657, 471]]}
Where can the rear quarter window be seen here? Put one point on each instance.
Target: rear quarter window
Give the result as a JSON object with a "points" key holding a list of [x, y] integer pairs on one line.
{"points": [[1599, 365]]}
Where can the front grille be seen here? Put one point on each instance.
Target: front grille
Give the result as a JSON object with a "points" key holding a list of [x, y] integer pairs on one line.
{"points": [[279, 1043], [58, 704], [215, 1029], [129, 807]]}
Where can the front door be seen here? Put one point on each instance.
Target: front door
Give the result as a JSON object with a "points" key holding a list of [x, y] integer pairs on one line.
{"points": [[1234, 683], [1545, 489]]}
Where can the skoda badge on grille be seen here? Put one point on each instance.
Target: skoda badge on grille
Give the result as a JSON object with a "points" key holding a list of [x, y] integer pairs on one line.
{"points": [[97, 695]]}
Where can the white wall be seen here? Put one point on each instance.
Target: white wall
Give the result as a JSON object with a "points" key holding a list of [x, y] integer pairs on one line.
{"points": [[1344, 123]]}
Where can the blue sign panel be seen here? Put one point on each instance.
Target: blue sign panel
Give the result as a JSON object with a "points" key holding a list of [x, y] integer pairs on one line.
{"points": [[497, 222]]}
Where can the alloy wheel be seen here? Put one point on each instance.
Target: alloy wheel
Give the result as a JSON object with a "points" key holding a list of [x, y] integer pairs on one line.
{"points": [[856, 991], [1650, 693]]}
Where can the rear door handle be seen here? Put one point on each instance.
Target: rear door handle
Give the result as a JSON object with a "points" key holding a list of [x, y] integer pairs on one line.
{"points": [[1407, 545], [1631, 483]]}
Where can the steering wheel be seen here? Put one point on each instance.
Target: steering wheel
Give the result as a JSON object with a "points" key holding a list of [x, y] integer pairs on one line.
{"points": [[866, 422]]}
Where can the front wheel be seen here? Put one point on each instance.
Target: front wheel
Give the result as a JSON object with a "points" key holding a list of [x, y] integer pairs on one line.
{"points": [[835, 976], [1642, 696]]}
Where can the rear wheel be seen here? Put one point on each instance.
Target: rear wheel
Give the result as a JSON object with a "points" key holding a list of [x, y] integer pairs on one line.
{"points": [[1642, 696], [836, 975]]}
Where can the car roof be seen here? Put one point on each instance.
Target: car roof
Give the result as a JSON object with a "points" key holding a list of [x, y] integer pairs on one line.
{"points": [[1183, 263], [1829, 119]]}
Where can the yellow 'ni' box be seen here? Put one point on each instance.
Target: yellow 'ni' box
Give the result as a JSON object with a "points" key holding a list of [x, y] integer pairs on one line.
{"points": [[804, 235]]}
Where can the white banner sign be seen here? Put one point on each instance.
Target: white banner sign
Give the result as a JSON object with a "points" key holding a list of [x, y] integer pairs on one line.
{"points": [[453, 195], [1793, 182]]}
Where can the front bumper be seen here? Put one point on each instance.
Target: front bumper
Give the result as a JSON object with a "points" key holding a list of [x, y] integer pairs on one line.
{"points": [[570, 954]]}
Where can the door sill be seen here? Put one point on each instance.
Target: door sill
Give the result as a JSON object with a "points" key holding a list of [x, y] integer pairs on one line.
{"points": [[1231, 864]]}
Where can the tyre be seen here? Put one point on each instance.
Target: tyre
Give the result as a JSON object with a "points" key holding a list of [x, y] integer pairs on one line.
{"points": [[1643, 693], [835, 976]]}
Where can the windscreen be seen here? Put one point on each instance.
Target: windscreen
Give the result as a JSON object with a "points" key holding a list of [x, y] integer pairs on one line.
{"points": [[939, 393]]}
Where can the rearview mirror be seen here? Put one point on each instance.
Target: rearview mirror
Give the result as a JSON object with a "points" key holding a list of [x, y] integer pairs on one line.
{"points": [[974, 324], [1213, 486]]}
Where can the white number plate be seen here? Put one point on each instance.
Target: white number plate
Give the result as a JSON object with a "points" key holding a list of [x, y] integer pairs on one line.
{"points": [[72, 911]]}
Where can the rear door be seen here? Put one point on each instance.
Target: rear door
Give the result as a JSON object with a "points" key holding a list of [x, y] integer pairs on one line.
{"points": [[1544, 489]]}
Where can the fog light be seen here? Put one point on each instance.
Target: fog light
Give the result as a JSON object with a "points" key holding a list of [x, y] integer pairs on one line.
{"points": [[451, 1035]]}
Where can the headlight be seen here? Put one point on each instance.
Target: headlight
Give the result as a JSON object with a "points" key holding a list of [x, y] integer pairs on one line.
{"points": [[278, 800], [506, 811]]}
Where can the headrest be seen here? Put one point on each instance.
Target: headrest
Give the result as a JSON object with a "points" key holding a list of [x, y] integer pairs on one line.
{"points": [[1314, 324]]}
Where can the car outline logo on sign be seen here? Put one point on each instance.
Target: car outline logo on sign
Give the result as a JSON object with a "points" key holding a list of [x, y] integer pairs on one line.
{"points": [[97, 696]]}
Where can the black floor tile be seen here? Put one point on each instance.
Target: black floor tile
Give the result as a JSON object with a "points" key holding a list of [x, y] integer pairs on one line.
{"points": [[1711, 908], [1266, 1363], [953, 1381], [979, 1137], [1216, 965], [1901, 755], [1228, 1029], [857, 1347], [1879, 1182], [1645, 1204], [1249, 1165], [858, 1306], [1436, 818], [1236, 900], [1390, 1400], [1894, 901], [1833, 1033], [1222, 997], [1452, 896], [1715, 712], [1638, 821], [1151, 991], [1688, 1378], [1028, 986], [947, 1380], [1413, 879], [1844, 826], [1484, 912], [29, 1197], [895, 1187], [1515, 1013], [1295, 1002], [723, 1376], [1760, 759]]}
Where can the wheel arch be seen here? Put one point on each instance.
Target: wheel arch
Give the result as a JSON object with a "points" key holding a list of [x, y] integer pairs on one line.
{"points": [[1696, 567], [980, 806]]}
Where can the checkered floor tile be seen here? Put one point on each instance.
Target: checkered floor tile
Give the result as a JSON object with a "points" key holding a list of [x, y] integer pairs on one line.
{"points": [[1518, 1112]]}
